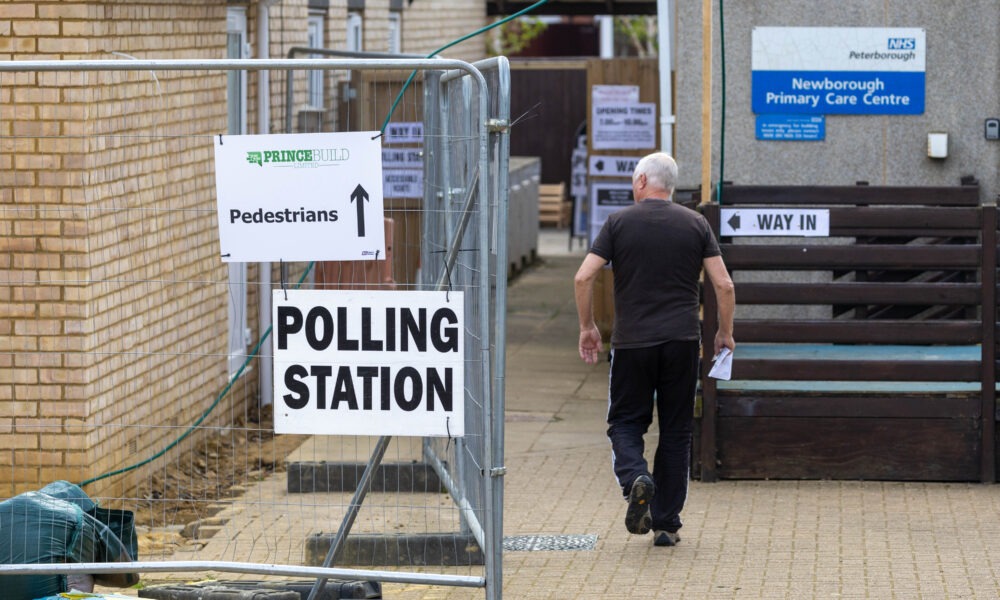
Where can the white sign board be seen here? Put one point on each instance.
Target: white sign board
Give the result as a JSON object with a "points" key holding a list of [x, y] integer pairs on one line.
{"points": [[614, 94], [792, 222], [605, 199], [613, 166], [578, 186], [404, 133], [352, 362], [299, 197], [624, 126], [838, 70], [403, 183], [402, 158]]}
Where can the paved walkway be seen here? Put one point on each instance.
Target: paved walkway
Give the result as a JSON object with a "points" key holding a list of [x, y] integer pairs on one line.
{"points": [[741, 539]]}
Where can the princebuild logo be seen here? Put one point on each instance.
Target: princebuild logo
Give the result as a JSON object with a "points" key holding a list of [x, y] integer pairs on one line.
{"points": [[305, 158]]}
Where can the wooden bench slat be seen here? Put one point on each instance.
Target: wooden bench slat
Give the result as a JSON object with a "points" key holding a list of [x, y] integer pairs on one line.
{"points": [[851, 195], [860, 293], [554, 208], [859, 332], [859, 256], [740, 403], [856, 370]]}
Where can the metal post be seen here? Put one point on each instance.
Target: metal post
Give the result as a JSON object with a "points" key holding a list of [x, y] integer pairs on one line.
{"points": [[988, 282], [492, 372], [665, 58], [364, 485], [496, 465]]}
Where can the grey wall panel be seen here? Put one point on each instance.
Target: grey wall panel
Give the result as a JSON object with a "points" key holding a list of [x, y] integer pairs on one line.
{"points": [[962, 90]]}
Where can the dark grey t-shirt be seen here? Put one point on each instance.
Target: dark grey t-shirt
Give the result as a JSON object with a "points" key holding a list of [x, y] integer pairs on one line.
{"points": [[656, 249]]}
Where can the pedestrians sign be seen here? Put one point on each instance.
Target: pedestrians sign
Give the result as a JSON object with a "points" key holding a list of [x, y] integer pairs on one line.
{"points": [[792, 222], [289, 197]]}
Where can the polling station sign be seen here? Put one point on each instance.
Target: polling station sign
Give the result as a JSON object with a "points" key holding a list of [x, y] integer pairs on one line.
{"points": [[838, 70], [315, 196], [352, 362]]}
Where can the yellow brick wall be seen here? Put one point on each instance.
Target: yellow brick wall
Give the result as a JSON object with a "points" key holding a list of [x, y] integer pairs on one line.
{"points": [[114, 313], [113, 303], [430, 24]]}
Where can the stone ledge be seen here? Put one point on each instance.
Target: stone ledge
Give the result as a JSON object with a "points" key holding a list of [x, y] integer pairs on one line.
{"points": [[397, 550], [307, 477]]}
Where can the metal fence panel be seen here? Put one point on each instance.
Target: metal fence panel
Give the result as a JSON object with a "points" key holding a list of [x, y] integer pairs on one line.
{"points": [[119, 373]]}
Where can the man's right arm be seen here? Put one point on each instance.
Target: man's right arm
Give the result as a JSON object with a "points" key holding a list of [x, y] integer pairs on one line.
{"points": [[725, 294], [583, 287]]}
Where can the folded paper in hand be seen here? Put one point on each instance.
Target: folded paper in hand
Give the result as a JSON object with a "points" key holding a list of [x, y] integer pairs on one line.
{"points": [[722, 367]]}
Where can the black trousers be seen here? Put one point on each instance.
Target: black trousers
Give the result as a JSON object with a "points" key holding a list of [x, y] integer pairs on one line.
{"points": [[666, 375]]}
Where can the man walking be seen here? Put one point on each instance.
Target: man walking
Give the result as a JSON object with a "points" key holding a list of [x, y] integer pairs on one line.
{"points": [[657, 250]]}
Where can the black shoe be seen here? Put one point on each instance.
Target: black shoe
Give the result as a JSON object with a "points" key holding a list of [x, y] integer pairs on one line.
{"points": [[637, 517], [665, 538]]}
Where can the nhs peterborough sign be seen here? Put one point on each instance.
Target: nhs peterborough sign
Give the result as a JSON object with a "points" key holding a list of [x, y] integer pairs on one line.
{"points": [[838, 70]]}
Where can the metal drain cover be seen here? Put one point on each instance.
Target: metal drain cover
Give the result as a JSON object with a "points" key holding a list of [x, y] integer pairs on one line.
{"points": [[537, 543]]}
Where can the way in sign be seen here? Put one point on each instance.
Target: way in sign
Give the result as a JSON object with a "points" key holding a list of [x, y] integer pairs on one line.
{"points": [[784, 222], [775, 222]]}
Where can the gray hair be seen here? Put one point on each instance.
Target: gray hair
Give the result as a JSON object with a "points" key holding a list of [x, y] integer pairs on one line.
{"points": [[660, 171]]}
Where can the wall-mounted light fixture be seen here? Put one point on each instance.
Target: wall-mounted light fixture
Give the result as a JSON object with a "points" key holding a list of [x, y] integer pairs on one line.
{"points": [[937, 145]]}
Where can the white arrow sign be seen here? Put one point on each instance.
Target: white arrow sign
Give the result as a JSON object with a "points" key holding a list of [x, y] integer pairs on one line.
{"points": [[792, 222], [298, 197], [613, 166]]}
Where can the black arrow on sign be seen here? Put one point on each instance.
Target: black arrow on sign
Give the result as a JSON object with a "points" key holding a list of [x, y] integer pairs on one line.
{"points": [[734, 221], [360, 194], [600, 165]]}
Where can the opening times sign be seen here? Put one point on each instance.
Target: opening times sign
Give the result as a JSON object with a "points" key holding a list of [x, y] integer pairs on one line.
{"points": [[838, 70], [352, 362]]}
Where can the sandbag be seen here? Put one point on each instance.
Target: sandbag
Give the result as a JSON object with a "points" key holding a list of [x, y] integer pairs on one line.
{"points": [[42, 528]]}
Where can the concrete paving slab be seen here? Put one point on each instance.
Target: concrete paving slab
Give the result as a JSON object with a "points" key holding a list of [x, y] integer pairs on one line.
{"points": [[741, 539]]}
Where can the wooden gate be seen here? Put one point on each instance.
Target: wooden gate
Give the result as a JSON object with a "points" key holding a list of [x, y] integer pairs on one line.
{"points": [[898, 381]]}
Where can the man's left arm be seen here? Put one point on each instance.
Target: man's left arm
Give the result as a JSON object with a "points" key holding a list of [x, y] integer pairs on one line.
{"points": [[725, 293]]}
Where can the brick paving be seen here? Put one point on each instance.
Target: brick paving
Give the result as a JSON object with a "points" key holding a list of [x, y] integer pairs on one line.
{"points": [[741, 539]]}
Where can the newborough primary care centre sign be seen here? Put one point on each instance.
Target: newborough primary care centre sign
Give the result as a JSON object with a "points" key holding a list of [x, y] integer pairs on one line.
{"points": [[838, 70], [368, 362]]}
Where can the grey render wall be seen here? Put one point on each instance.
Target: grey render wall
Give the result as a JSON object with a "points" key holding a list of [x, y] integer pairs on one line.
{"points": [[963, 89]]}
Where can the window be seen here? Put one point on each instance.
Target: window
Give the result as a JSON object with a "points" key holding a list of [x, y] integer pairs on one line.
{"points": [[236, 111], [317, 23], [355, 32], [236, 82], [395, 36]]}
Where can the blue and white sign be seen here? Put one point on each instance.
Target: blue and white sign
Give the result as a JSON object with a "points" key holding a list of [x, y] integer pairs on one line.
{"points": [[792, 128], [838, 70]]}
